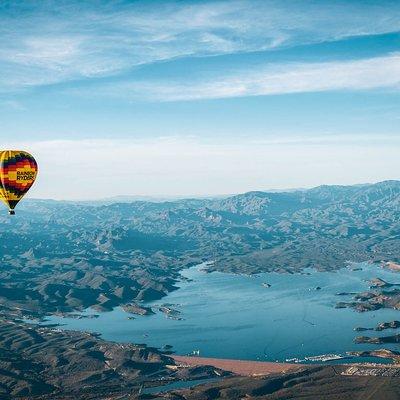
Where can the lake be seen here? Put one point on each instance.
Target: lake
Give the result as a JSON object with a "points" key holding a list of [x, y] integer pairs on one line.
{"points": [[235, 316]]}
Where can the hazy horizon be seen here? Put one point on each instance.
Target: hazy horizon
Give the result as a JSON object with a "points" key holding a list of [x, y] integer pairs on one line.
{"points": [[162, 197]]}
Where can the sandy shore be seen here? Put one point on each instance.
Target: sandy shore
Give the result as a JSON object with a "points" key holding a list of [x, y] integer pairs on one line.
{"points": [[239, 367], [392, 265]]}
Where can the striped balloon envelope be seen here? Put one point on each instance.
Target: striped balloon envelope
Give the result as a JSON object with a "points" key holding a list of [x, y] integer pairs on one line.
{"points": [[18, 171]]}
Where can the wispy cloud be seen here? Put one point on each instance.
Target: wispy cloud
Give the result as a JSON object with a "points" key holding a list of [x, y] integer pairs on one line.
{"points": [[273, 79], [56, 41], [13, 105]]}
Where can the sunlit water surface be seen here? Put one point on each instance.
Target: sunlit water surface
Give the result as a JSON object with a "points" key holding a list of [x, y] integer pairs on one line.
{"points": [[235, 316]]}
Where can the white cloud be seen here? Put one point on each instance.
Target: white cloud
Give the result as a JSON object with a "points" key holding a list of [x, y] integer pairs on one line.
{"points": [[273, 79], [12, 105], [51, 42], [92, 169]]}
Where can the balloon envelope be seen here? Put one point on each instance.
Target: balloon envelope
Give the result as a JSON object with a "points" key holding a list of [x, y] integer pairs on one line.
{"points": [[18, 170]]}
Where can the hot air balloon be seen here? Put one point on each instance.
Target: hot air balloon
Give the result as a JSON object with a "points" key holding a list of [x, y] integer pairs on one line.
{"points": [[18, 170]]}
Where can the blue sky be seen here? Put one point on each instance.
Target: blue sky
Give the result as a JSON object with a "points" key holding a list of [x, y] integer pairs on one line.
{"points": [[201, 97]]}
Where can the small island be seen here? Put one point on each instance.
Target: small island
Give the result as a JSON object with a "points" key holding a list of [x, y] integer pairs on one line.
{"points": [[133, 308]]}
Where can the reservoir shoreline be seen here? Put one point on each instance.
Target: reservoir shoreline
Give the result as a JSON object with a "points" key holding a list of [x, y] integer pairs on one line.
{"points": [[290, 321]]}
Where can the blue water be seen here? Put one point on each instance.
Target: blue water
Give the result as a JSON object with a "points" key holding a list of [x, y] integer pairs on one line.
{"points": [[234, 316]]}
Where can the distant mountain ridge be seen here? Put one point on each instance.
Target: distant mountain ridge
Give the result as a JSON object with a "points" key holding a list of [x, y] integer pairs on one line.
{"points": [[322, 191]]}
